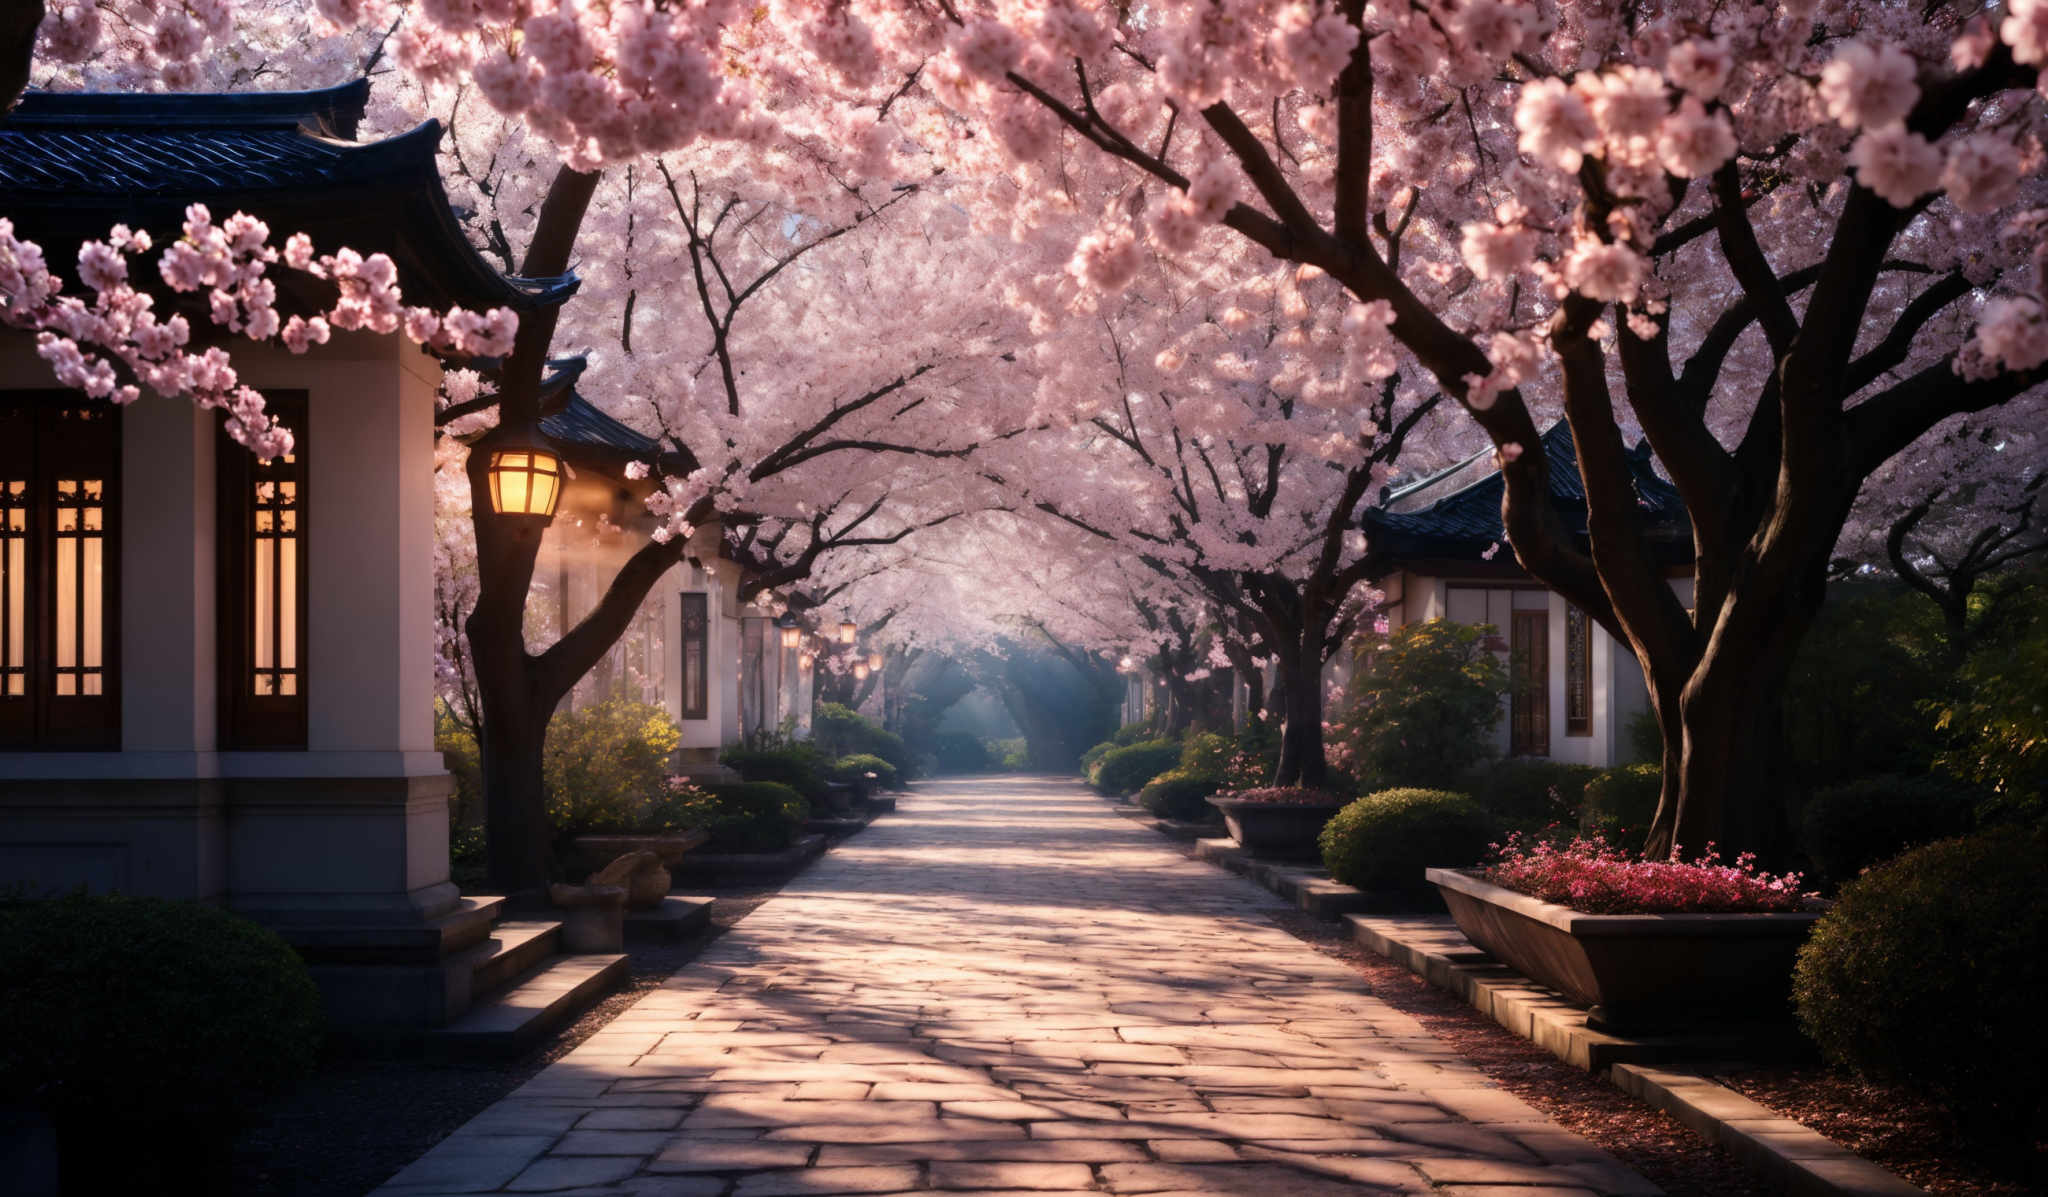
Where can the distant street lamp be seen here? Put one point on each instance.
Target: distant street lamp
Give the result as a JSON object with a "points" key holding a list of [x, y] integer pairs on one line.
{"points": [[860, 671], [847, 631], [874, 660], [792, 632], [526, 476]]}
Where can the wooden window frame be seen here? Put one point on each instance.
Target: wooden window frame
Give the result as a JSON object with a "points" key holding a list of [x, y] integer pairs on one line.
{"points": [[1578, 672], [1529, 700], [249, 720], [43, 437], [695, 627]]}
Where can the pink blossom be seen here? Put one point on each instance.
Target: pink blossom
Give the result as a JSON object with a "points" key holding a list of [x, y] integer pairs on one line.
{"points": [[1693, 142], [1973, 45], [509, 85], [1898, 165], [1591, 876], [986, 49], [1865, 85], [1555, 126], [1607, 272], [2025, 29], [1701, 67], [1107, 259], [71, 32], [1213, 190], [1497, 250], [1982, 173], [1315, 46]]}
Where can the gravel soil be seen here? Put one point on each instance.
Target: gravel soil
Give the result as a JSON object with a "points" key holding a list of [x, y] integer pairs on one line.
{"points": [[357, 1121], [1892, 1128], [1648, 1140]]}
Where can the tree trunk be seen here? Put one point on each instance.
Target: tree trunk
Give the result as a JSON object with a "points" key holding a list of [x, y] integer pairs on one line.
{"points": [[519, 848], [1299, 690]]}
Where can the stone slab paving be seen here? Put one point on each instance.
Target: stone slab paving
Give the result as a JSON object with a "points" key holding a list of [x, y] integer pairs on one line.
{"points": [[1006, 988]]}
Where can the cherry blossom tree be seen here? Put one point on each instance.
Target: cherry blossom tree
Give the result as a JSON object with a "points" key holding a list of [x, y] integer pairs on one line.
{"points": [[1232, 445], [1792, 237]]}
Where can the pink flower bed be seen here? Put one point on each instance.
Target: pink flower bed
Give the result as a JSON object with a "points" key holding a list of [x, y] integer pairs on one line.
{"points": [[1593, 876], [1278, 795]]}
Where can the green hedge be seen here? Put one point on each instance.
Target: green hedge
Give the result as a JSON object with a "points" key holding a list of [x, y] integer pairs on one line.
{"points": [[1126, 770], [755, 816], [1179, 794], [1530, 795], [840, 731], [1384, 841], [1846, 829], [854, 770], [1622, 801], [792, 763], [1929, 971], [142, 1012]]}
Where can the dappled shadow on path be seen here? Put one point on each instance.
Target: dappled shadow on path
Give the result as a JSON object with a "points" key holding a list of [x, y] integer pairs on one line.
{"points": [[1009, 986]]}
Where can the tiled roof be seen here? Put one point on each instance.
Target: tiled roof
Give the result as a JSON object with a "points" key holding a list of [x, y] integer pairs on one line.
{"points": [[586, 435], [1455, 513], [71, 164]]}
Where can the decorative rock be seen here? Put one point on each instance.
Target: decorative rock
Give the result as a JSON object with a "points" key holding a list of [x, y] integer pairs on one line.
{"points": [[641, 873], [593, 916]]}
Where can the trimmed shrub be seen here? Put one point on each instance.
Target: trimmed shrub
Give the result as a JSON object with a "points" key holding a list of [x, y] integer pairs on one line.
{"points": [[169, 1020], [1422, 704], [604, 762], [1206, 754], [1180, 794], [1090, 757], [1997, 722], [754, 816], [1384, 841], [1622, 800], [1127, 769], [1928, 971], [1012, 755], [1645, 738], [839, 731], [792, 763], [961, 752], [853, 770], [1532, 794], [1133, 733], [1848, 828]]}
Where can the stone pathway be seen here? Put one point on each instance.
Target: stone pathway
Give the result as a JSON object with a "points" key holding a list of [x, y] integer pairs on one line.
{"points": [[1007, 987]]}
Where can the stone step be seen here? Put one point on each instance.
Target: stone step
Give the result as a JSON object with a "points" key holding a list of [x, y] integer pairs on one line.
{"points": [[512, 948], [423, 942], [676, 918], [511, 1020]]}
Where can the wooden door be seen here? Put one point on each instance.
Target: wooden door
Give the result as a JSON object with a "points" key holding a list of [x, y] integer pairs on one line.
{"points": [[1529, 684]]}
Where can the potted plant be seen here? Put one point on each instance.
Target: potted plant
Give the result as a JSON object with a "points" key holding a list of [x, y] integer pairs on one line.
{"points": [[1647, 944], [1277, 821]]}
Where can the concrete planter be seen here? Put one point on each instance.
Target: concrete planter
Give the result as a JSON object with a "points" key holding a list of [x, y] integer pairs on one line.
{"points": [[1282, 830], [1638, 972]]}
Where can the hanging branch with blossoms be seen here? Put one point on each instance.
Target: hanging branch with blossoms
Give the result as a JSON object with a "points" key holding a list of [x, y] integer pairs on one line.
{"points": [[93, 345]]}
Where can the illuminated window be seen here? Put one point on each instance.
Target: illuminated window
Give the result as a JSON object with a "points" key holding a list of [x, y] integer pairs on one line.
{"points": [[262, 550], [1578, 673], [58, 454]]}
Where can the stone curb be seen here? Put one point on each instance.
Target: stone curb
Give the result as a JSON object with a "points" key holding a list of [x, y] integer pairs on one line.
{"points": [[1431, 947], [1305, 886], [1791, 1156]]}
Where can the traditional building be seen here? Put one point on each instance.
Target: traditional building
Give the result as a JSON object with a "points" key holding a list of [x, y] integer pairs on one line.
{"points": [[217, 674], [722, 669], [1443, 553]]}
